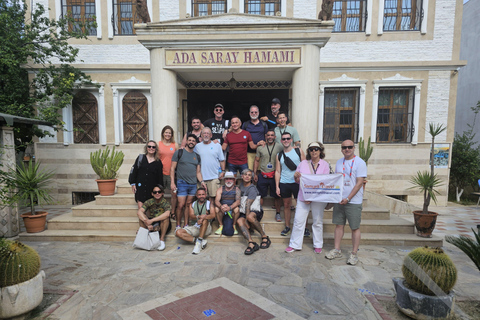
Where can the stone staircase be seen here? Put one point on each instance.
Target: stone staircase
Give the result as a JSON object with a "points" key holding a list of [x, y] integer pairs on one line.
{"points": [[113, 218]]}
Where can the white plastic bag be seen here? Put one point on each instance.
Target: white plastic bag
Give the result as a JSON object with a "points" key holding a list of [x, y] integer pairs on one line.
{"points": [[146, 240]]}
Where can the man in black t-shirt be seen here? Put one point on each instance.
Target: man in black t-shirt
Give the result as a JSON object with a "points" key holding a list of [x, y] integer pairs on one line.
{"points": [[271, 117], [218, 125]]}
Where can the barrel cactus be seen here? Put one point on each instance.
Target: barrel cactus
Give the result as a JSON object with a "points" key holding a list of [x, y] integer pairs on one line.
{"points": [[429, 270], [18, 263]]}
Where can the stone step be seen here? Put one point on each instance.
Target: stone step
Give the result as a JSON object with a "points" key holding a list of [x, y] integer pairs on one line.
{"points": [[70, 222], [402, 240]]}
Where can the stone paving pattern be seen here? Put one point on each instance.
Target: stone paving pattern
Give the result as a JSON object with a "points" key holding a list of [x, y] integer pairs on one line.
{"points": [[112, 276]]}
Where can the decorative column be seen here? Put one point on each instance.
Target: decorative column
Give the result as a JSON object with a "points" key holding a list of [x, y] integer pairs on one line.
{"points": [[164, 94], [305, 94], [9, 223]]}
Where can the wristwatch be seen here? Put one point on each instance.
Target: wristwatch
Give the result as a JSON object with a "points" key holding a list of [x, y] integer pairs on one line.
{"points": [[348, 200]]}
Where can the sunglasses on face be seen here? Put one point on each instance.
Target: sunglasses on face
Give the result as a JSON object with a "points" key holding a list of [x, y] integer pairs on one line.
{"points": [[347, 147], [253, 111], [314, 149], [157, 192], [286, 139], [218, 109], [151, 147]]}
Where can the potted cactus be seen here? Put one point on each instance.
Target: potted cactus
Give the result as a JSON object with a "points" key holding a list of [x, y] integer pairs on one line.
{"points": [[426, 292], [21, 283], [365, 152], [106, 164]]}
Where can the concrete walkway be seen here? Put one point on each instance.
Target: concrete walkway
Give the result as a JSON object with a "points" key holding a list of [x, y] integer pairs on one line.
{"points": [[111, 280]]}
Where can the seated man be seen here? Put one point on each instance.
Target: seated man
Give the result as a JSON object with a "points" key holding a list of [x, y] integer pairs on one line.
{"points": [[200, 213], [227, 202], [251, 219], [155, 214]]}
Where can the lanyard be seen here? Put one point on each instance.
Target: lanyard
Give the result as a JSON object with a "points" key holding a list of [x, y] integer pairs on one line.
{"points": [[270, 153], [313, 167], [201, 210], [351, 167]]}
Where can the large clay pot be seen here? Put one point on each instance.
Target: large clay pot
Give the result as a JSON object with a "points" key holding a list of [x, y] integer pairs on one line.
{"points": [[36, 222], [425, 223], [106, 187], [22, 297]]}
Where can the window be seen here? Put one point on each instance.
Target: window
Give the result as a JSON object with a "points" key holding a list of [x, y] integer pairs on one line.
{"points": [[402, 15], [135, 118], [208, 7], [85, 118], [124, 17], [340, 120], [349, 15], [264, 7], [395, 114], [81, 12]]}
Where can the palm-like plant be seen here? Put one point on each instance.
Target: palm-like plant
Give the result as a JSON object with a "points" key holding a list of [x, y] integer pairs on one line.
{"points": [[28, 183], [468, 245]]}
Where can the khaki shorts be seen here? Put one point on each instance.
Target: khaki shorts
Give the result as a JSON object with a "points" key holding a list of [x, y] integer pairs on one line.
{"points": [[195, 232], [251, 160], [212, 187], [350, 211]]}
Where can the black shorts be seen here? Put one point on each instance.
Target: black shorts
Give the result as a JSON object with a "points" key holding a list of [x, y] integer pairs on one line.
{"points": [[263, 184], [259, 215], [287, 189]]}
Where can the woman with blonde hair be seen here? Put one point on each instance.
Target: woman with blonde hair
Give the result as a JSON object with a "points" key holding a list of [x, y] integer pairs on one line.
{"points": [[146, 173], [166, 149]]}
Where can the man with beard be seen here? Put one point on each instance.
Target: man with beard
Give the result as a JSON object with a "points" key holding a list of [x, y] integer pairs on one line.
{"points": [[227, 202], [257, 129], [283, 128], [186, 166], [200, 212], [196, 130], [271, 117], [218, 125]]}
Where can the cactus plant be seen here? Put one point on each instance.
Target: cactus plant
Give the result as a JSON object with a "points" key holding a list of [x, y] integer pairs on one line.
{"points": [[106, 165], [429, 270], [365, 152], [18, 263]]}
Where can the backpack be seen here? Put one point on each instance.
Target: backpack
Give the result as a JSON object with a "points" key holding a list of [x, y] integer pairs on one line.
{"points": [[288, 162]]}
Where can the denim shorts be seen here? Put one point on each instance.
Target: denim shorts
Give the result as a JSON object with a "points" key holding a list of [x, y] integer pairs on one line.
{"points": [[184, 189], [234, 167]]}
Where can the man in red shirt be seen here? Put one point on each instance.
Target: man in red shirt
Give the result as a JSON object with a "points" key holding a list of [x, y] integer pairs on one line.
{"points": [[238, 140]]}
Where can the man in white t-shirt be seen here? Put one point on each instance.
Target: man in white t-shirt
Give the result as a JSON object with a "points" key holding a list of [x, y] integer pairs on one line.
{"points": [[354, 171]]}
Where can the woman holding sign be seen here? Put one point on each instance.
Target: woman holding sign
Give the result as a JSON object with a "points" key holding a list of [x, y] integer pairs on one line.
{"points": [[313, 165]]}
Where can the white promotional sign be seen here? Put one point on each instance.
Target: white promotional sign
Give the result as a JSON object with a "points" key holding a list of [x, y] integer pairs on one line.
{"points": [[322, 187]]}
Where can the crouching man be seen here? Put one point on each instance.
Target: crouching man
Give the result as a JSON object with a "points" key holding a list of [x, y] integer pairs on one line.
{"points": [[200, 214], [154, 215]]}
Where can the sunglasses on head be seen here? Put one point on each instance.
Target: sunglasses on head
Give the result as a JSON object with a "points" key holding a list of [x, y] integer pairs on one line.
{"points": [[157, 192], [151, 147], [314, 149], [285, 139], [347, 147]]}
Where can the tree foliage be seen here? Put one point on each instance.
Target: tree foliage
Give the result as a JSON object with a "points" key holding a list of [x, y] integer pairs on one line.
{"points": [[32, 44]]}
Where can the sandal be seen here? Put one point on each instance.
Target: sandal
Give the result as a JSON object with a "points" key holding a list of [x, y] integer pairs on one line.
{"points": [[265, 244], [251, 250]]}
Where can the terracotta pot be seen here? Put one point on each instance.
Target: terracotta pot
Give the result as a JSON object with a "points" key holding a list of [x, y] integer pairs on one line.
{"points": [[425, 223], [34, 223], [106, 187], [26, 158]]}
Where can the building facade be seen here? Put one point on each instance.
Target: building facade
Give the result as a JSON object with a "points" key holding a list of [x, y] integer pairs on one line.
{"points": [[382, 69]]}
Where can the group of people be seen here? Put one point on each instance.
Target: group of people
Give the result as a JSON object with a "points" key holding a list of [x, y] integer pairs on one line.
{"points": [[268, 154]]}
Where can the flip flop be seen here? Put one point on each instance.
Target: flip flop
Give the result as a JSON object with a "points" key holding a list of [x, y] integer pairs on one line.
{"points": [[265, 244], [251, 250]]}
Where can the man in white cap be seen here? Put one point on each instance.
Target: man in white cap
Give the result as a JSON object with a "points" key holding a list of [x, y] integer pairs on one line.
{"points": [[227, 201]]}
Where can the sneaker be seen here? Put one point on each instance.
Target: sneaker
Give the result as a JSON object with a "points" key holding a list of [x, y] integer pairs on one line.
{"points": [[198, 247], [353, 259], [317, 250], [289, 250], [285, 231], [204, 243], [334, 253], [235, 230], [162, 246], [177, 228], [307, 234], [219, 230], [278, 217]]}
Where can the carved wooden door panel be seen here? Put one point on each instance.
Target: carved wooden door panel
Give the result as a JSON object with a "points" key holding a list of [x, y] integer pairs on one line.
{"points": [[85, 118], [135, 118]]}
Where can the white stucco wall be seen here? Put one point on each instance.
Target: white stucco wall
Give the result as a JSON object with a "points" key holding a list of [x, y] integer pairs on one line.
{"points": [[169, 9], [113, 54], [306, 9], [437, 101]]}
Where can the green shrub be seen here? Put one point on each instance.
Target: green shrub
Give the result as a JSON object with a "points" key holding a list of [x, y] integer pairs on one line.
{"points": [[18, 263]]}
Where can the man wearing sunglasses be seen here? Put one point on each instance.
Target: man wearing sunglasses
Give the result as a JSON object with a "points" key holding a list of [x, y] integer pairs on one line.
{"points": [[218, 125], [354, 172], [257, 129]]}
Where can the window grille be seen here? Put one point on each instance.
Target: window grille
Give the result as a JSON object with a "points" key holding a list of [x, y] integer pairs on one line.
{"points": [[349, 15], [402, 15], [340, 119], [85, 118], [124, 17], [263, 7], [395, 115], [208, 7], [81, 11]]}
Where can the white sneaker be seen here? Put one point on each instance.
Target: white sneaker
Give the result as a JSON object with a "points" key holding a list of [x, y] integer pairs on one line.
{"points": [[204, 243], [162, 246], [197, 248], [177, 228], [334, 253], [353, 259]]}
